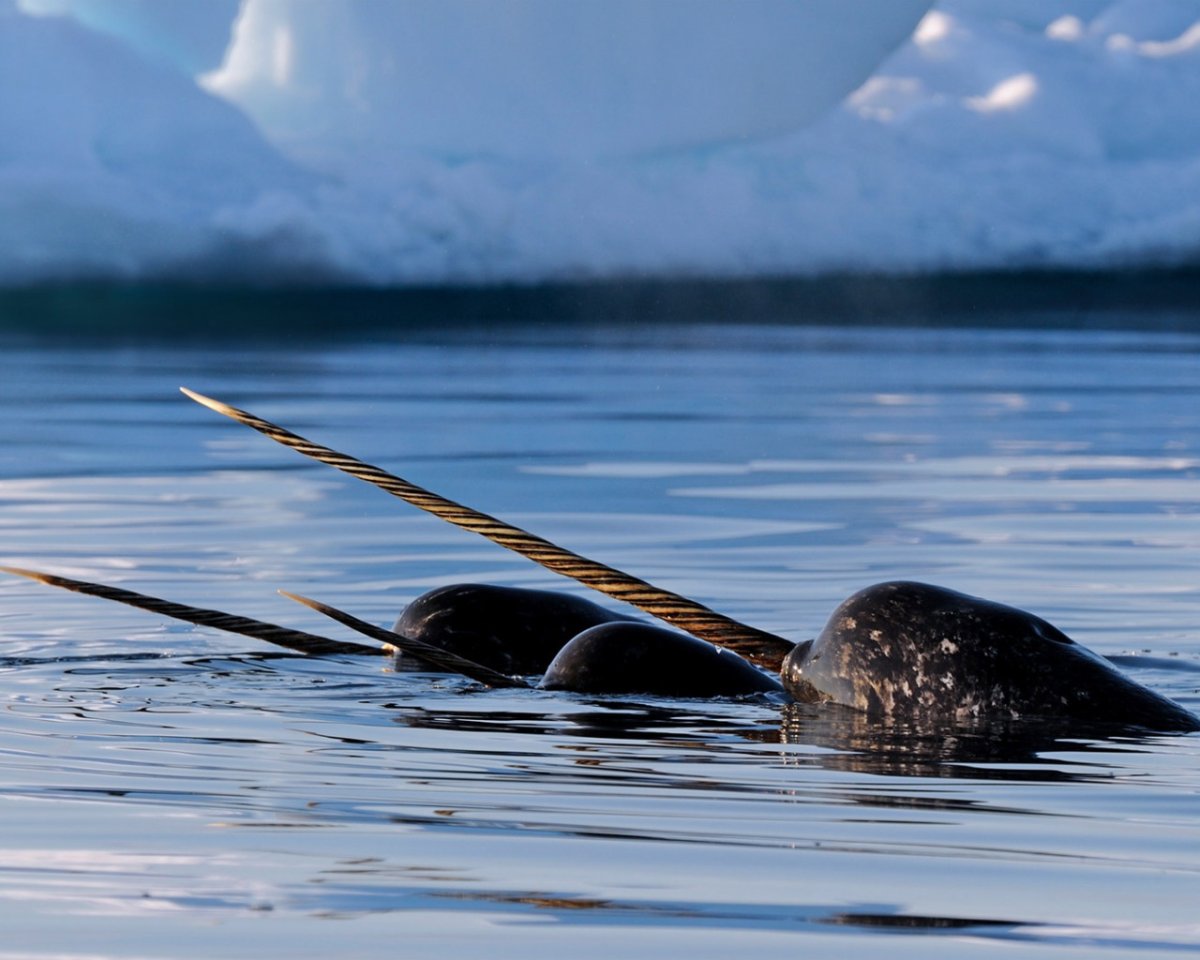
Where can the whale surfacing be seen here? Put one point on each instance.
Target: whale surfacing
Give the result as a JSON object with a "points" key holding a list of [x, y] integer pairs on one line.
{"points": [[902, 652], [928, 654]]}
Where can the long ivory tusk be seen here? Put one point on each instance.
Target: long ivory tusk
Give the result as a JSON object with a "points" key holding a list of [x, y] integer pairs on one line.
{"points": [[280, 636], [758, 646]]}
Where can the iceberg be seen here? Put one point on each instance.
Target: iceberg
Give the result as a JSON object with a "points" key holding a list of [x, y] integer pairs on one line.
{"points": [[190, 36], [457, 141], [114, 165], [547, 78]]}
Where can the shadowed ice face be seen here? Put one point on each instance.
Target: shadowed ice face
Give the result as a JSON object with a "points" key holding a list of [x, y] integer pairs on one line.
{"points": [[916, 651]]}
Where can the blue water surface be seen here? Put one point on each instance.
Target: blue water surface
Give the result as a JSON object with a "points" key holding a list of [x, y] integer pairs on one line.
{"points": [[173, 791]]}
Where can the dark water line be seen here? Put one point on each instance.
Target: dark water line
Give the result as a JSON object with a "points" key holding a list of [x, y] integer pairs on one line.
{"points": [[103, 313]]}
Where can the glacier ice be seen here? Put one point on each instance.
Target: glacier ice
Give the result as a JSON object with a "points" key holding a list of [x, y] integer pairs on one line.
{"points": [[544, 78], [112, 164], [188, 35], [375, 142]]}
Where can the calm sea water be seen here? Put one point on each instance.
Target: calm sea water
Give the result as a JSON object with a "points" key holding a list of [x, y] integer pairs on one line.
{"points": [[170, 791]]}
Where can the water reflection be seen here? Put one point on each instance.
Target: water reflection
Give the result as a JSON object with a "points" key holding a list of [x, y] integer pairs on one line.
{"points": [[848, 740], [1010, 750], [778, 916], [352, 708]]}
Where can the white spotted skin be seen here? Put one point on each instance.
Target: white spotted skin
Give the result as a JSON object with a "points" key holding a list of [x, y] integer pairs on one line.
{"points": [[915, 651]]}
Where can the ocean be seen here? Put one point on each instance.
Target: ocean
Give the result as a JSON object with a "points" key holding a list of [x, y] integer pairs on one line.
{"points": [[174, 791]]}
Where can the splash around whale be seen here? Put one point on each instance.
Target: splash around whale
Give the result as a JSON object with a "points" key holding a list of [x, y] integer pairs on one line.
{"points": [[898, 651]]}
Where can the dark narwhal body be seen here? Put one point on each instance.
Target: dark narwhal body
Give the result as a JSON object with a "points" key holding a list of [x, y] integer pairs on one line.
{"points": [[510, 629], [901, 650], [640, 658], [577, 644], [932, 655]]}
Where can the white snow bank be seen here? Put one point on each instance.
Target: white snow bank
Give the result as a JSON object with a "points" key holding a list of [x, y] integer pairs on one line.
{"points": [[1032, 134], [191, 36], [1004, 134], [111, 164]]}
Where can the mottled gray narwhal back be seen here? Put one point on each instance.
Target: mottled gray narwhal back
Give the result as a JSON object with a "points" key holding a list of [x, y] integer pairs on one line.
{"points": [[928, 654]]}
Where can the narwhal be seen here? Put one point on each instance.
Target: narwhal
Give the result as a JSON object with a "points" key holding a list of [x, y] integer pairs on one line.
{"points": [[901, 651]]}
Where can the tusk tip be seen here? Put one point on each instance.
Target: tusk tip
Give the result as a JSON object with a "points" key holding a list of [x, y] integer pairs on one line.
{"points": [[22, 572], [299, 599], [209, 402]]}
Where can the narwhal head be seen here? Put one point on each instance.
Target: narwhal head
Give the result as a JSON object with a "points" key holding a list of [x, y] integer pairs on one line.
{"points": [[918, 652]]}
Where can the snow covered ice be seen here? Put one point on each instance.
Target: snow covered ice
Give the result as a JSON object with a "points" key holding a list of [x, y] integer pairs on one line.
{"points": [[453, 141], [548, 79]]}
